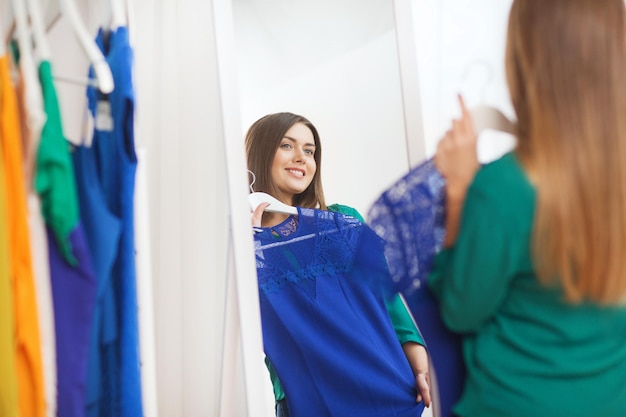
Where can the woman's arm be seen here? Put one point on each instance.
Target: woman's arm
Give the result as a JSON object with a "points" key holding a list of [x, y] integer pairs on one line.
{"points": [[418, 359], [412, 345], [457, 160]]}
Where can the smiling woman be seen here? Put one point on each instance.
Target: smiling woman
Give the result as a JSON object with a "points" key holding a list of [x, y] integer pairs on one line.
{"points": [[283, 153], [340, 68], [320, 277], [337, 66]]}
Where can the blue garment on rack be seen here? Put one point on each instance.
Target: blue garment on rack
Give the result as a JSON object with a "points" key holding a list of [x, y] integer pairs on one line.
{"points": [[322, 280], [73, 295], [102, 229], [71, 271], [410, 217], [114, 145]]}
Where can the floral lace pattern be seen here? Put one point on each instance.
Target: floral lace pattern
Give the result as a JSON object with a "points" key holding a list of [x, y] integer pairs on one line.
{"points": [[323, 245], [410, 217], [286, 228]]}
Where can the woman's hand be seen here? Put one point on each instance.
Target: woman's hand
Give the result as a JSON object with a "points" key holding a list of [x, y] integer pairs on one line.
{"points": [[257, 214], [418, 359], [457, 160], [457, 157], [422, 380]]}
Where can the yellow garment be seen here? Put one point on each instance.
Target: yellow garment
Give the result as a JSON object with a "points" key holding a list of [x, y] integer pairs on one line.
{"points": [[28, 348], [8, 378]]}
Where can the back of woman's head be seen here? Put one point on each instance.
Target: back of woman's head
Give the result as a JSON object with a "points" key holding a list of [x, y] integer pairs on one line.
{"points": [[263, 139], [566, 69]]}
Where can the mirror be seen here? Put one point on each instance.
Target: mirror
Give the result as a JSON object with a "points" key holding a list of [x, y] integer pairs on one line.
{"points": [[335, 63]]}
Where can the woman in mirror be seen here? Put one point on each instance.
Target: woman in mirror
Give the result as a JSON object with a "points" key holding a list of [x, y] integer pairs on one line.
{"points": [[533, 273], [357, 353]]}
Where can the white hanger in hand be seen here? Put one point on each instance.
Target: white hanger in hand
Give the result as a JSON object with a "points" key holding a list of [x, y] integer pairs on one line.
{"points": [[487, 117], [276, 206]]}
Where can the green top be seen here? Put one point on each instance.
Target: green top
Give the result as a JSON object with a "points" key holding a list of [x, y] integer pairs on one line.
{"points": [[528, 353], [400, 317], [54, 181]]}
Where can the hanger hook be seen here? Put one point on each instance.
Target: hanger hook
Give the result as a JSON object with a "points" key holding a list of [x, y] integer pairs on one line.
{"points": [[488, 75], [253, 180]]}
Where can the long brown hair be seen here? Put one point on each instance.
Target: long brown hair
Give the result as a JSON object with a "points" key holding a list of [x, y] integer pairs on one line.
{"points": [[566, 70], [263, 139]]}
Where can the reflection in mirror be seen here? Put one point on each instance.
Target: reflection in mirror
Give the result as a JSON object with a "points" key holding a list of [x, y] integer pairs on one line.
{"points": [[336, 64]]}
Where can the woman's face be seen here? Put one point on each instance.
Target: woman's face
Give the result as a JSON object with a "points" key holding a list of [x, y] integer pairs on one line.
{"points": [[293, 167]]}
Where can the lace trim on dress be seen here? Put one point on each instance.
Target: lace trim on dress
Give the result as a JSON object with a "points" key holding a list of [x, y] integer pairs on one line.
{"points": [[286, 228], [323, 246]]}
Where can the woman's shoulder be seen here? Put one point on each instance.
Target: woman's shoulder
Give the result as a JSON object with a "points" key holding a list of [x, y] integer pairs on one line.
{"points": [[505, 173], [504, 185], [347, 210]]}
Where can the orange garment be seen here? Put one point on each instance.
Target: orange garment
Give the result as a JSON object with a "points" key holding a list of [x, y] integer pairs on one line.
{"points": [[8, 378], [31, 398]]}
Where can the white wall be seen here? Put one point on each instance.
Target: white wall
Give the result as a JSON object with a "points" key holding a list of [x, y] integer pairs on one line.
{"points": [[179, 121], [460, 47]]}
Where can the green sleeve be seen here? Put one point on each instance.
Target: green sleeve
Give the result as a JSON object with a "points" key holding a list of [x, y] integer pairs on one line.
{"points": [[403, 322], [472, 278], [279, 394], [347, 210]]}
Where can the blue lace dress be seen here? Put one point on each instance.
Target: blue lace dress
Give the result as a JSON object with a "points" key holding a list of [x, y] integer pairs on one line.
{"points": [[326, 330], [410, 216]]}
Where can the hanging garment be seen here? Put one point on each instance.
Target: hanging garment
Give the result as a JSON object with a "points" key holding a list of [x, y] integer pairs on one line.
{"points": [[33, 116], [28, 345], [56, 183], [410, 217], [113, 141], [8, 377], [52, 201], [43, 284], [71, 270], [325, 325], [73, 289], [102, 230]]}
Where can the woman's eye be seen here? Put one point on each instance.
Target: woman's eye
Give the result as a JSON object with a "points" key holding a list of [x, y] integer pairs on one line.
{"points": [[309, 151], [286, 145]]}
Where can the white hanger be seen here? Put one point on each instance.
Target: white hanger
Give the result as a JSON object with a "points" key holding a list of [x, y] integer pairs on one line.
{"points": [[276, 206], [484, 116], [118, 14], [256, 197], [39, 31], [3, 47], [27, 62], [488, 117], [35, 116], [100, 66]]}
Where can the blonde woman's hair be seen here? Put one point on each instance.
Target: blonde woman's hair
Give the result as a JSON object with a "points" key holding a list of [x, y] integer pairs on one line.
{"points": [[566, 70]]}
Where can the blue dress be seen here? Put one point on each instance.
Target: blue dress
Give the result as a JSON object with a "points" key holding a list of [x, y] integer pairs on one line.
{"points": [[326, 330], [410, 216], [73, 289], [102, 230], [114, 147]]}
